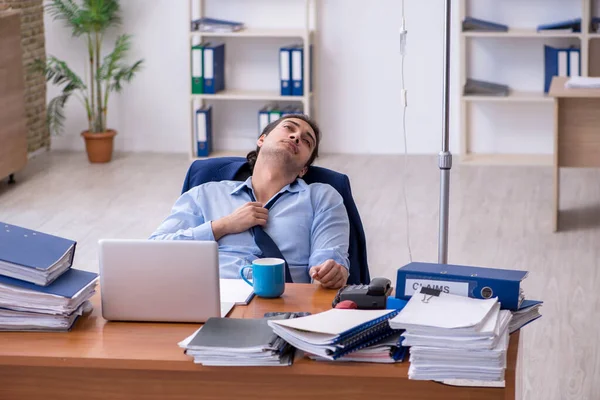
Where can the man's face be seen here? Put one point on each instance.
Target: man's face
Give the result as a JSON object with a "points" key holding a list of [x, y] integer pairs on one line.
{"points": [[294, 140]]}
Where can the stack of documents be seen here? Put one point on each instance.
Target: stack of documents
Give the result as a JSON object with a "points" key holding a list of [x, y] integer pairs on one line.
{"points": [[583, 82], [234, 292], [454, 337], [388, 351], [25, 306], [529, 312], [336, 333], [237, 342]]}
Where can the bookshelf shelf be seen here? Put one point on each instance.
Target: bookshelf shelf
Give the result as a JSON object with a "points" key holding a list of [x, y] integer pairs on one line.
{"points": [[522, 33], [304, 35], [256, 32], [232, 94], [468, 103], [516, 96], [508, 159]]}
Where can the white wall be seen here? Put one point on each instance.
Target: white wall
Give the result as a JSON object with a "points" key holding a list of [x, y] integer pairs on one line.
{"points": [[358, 75]]}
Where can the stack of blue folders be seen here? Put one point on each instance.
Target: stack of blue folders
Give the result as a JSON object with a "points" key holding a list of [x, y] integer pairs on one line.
{"points": [[336, 333], [38, 288]]}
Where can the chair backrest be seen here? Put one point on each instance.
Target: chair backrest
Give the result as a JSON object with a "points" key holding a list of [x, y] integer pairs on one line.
{"points": [[226, 168]]}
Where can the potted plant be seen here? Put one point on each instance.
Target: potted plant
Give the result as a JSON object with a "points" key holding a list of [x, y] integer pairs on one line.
{"points": [[107, 74]]}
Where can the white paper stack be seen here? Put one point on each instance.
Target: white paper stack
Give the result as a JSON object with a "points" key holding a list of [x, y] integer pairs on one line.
{"points": [[583, 82], [25, 306], [530, 311], [454, 337]]}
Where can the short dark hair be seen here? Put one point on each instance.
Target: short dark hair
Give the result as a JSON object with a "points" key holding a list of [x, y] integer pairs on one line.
{"points": [[253, 155]]}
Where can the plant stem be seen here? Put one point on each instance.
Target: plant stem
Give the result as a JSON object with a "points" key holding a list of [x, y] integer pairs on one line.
{"points": [[92, 75], [99, 124]]}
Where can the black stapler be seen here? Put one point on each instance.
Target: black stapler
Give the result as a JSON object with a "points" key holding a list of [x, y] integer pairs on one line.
{"points": [[366, 297]]}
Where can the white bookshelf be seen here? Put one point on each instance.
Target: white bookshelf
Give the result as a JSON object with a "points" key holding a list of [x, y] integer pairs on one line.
{"points": [[516, 97], [305, 35]]}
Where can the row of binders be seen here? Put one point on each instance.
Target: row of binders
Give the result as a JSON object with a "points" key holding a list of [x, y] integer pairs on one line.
{"points": [[560, 62], [203, 124], [471, 24], [291, 69], [39, 291], [208, 67], [272, 112]]}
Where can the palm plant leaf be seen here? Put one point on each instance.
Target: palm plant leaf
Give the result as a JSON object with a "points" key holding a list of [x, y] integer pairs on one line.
{"points": [[111, 61], [59, 73], [124, 73], [70, 13], [56, 115], [101, 14]]}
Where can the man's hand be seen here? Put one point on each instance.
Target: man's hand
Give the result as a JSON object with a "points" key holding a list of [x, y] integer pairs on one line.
{"points": [[242, 219], [331, 274]]}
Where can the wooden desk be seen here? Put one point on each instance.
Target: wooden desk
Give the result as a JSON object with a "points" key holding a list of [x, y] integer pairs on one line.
{"points": [[576, 131], [118, 360]]}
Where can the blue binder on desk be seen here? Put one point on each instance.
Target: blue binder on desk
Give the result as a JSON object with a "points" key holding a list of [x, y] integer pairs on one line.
{"points": [[33, 256], [475, 282]]}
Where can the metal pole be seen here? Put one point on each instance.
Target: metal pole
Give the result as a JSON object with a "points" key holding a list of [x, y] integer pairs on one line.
{"points": [[445, 157]]}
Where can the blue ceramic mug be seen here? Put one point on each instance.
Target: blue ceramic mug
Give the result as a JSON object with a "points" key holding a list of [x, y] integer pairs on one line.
{"points": [[268, 277]]}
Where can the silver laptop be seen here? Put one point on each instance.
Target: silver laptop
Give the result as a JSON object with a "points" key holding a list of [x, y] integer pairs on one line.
{"points": [[160, 280]]}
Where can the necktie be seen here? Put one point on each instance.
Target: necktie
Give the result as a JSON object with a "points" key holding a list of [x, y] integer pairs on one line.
{"points": [[264, 242]]}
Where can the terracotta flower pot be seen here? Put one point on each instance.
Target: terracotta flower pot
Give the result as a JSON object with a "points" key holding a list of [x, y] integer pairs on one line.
{"points": [[99, 146]]}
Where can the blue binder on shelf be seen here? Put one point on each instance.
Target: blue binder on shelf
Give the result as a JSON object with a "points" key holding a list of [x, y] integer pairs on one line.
{"points": [[574, 67], [556, 63], [475, 282], [203, 131], [214, 67], [298, 70], [33, 256], [285, 70], [571, 25], [263, 118]]}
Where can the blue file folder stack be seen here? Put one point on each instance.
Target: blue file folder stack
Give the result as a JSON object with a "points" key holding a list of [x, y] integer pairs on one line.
{"points": [[38, 288], [291, 70], [475, 282]]}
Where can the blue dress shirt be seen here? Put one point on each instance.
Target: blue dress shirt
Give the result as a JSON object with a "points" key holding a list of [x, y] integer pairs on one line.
{"points": [[309, 224]]}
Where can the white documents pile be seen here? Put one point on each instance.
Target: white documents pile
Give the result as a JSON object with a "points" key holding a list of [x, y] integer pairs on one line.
{"points": [[454, 337], [583, 82], [25, 306]]}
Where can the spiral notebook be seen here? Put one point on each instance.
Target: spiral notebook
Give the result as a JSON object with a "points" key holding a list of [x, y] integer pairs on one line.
{"points": [[334, 333]]}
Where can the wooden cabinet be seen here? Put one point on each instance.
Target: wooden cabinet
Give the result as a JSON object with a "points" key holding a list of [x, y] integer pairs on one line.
{"points": [[13, 127]]}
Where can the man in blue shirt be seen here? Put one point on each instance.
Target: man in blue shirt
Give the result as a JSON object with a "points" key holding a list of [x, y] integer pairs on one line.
{"points": [[308, 223]]}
